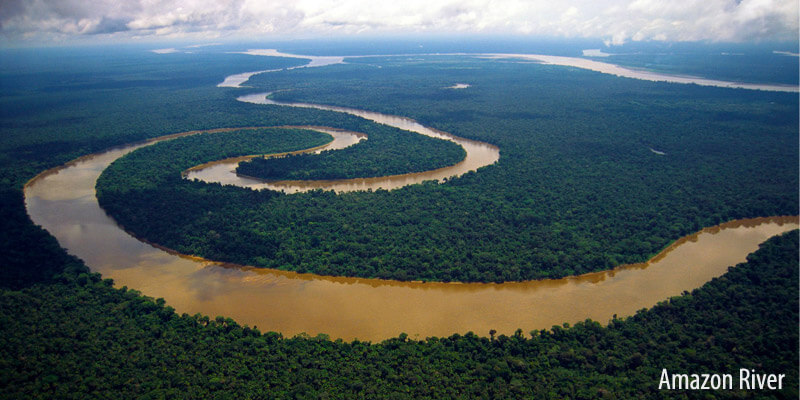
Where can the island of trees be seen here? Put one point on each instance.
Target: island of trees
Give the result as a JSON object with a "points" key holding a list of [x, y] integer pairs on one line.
{"points": [[388, 151]]}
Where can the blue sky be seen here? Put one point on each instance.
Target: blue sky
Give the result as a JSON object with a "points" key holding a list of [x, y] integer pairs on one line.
{"points": [[613, 21]]}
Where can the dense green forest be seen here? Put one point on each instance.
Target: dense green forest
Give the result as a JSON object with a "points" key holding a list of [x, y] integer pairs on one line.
{"points": [[67, 333], [389, 151], [595, 171], [193, 150]]}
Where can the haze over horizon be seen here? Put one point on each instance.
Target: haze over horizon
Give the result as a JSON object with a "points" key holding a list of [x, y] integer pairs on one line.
{"points": [[614, 21]]}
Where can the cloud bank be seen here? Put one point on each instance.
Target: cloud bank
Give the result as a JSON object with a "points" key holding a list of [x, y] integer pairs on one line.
{"points": [[615, 21]]}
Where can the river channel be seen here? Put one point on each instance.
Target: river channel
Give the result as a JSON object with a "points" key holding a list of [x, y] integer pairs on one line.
{"points": [[478, 154], [63, 202]]}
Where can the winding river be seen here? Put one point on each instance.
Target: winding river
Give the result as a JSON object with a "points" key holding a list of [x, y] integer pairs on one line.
{"points": [[478, 154], [63, 201], [224, 171]]}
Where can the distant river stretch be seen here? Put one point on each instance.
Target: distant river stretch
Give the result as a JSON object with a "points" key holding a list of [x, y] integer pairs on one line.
{"points": [[576, 62], [63, 201]]}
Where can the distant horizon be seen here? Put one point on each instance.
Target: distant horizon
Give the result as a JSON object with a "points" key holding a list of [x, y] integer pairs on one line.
{"points": [[767, 65], [613, 22], [787, 47]]}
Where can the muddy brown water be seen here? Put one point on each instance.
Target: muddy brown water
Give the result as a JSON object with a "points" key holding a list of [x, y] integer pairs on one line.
{"points": [[478, 154], [63, 202]]}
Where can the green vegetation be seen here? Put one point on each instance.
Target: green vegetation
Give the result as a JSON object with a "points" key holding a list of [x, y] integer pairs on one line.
{"points": [[67, 333], [90, 100], [80, 338], [577, 187], [162, 164], [389, 151], [52, 112]]}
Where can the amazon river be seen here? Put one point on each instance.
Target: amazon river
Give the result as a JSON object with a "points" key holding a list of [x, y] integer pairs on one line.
{"points": [[478, 154], [63, 202]]}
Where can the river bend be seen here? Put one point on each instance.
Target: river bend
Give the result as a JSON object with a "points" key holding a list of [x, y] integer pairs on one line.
{"points": [[63, 201], [478, 154]]}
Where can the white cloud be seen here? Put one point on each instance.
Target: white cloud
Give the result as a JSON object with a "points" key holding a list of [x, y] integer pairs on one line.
{"points": [[616, 21], [165, 51]]}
